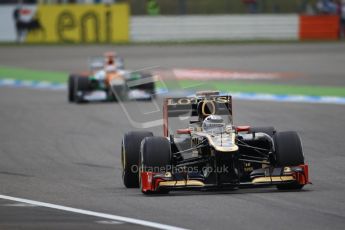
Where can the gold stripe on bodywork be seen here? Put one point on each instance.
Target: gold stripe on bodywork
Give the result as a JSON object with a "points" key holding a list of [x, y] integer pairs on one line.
{"points": [[233, 148], [174, 183], [272, 179]]}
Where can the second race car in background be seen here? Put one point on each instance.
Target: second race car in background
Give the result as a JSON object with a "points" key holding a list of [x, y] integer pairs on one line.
{"points": [[107, 80]]}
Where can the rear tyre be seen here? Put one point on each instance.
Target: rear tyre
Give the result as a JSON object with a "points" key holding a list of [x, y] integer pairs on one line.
{"points": [[288, 152], [118, 93], [130, 154], [151, 88], [155, 157], [81, 85], [148, 87], [268, 130]]}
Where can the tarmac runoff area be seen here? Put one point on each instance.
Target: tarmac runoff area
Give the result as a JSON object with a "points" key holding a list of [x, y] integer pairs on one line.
{"points": [[68, 156]]}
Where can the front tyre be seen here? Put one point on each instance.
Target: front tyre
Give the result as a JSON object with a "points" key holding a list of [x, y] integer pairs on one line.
{"points": [[155, 157], [288, 152], [130, 153], [81, 86], [71, 88]]}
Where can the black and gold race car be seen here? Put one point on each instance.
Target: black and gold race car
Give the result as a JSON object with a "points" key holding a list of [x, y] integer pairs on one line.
{"points": [[210, 152]]}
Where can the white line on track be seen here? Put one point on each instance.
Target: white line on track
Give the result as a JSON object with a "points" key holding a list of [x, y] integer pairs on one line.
{"points": [[96, 214], [108, 222], [19, 205]]}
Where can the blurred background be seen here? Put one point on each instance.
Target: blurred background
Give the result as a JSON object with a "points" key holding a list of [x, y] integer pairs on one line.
{"points": [[109, 21], [172, 7]]}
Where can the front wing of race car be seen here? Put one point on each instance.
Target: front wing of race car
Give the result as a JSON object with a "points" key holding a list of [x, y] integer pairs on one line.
{"points": [[101, 95], [153, 182]]}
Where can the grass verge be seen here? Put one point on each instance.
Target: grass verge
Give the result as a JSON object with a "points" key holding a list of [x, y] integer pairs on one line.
{"points": [[224, 86]]}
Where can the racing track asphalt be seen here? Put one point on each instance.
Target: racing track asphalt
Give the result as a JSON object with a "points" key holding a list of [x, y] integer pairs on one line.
{"points": [[66, 154]]}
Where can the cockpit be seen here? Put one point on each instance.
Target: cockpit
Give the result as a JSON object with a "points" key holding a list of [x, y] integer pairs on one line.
{"points": [[213, 124]]}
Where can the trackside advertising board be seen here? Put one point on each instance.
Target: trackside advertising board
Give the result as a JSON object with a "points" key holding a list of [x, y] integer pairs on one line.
{"points": [[8, 30], [71, 23]]}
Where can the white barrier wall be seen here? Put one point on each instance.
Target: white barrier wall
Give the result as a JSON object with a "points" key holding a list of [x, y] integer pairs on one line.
{"points": [[224, 27]]}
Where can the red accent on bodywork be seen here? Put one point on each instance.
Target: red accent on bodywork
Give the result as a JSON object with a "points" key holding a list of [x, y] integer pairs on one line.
{"points": [[146, 181], [183, 131], [242, 128], [303, 177], [149, 183]]}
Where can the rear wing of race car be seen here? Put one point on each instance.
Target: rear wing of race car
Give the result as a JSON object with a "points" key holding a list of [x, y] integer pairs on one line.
{"points": [[200, 107]]}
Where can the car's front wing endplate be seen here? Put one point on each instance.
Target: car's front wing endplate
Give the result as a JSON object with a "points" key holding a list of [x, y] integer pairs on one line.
{"points": [[152, 181]]}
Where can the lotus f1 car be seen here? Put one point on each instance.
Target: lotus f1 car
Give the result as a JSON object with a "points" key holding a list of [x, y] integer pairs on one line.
{"points": [[108, 81], [211, 153]]}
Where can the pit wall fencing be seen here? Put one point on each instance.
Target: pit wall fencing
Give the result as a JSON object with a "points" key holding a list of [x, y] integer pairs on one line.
{"points": [[234, 27], [224, 27]]}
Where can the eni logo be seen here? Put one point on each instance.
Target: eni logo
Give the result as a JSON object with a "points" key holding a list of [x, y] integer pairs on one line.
{"points": [[90, 20]]}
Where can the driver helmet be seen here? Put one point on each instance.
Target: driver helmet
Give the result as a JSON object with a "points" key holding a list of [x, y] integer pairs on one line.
{"points": [[109, 58], [213, 124]]}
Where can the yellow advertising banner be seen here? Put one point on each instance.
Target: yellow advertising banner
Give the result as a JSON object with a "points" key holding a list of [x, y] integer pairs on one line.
{"points": [[81, 24]]}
